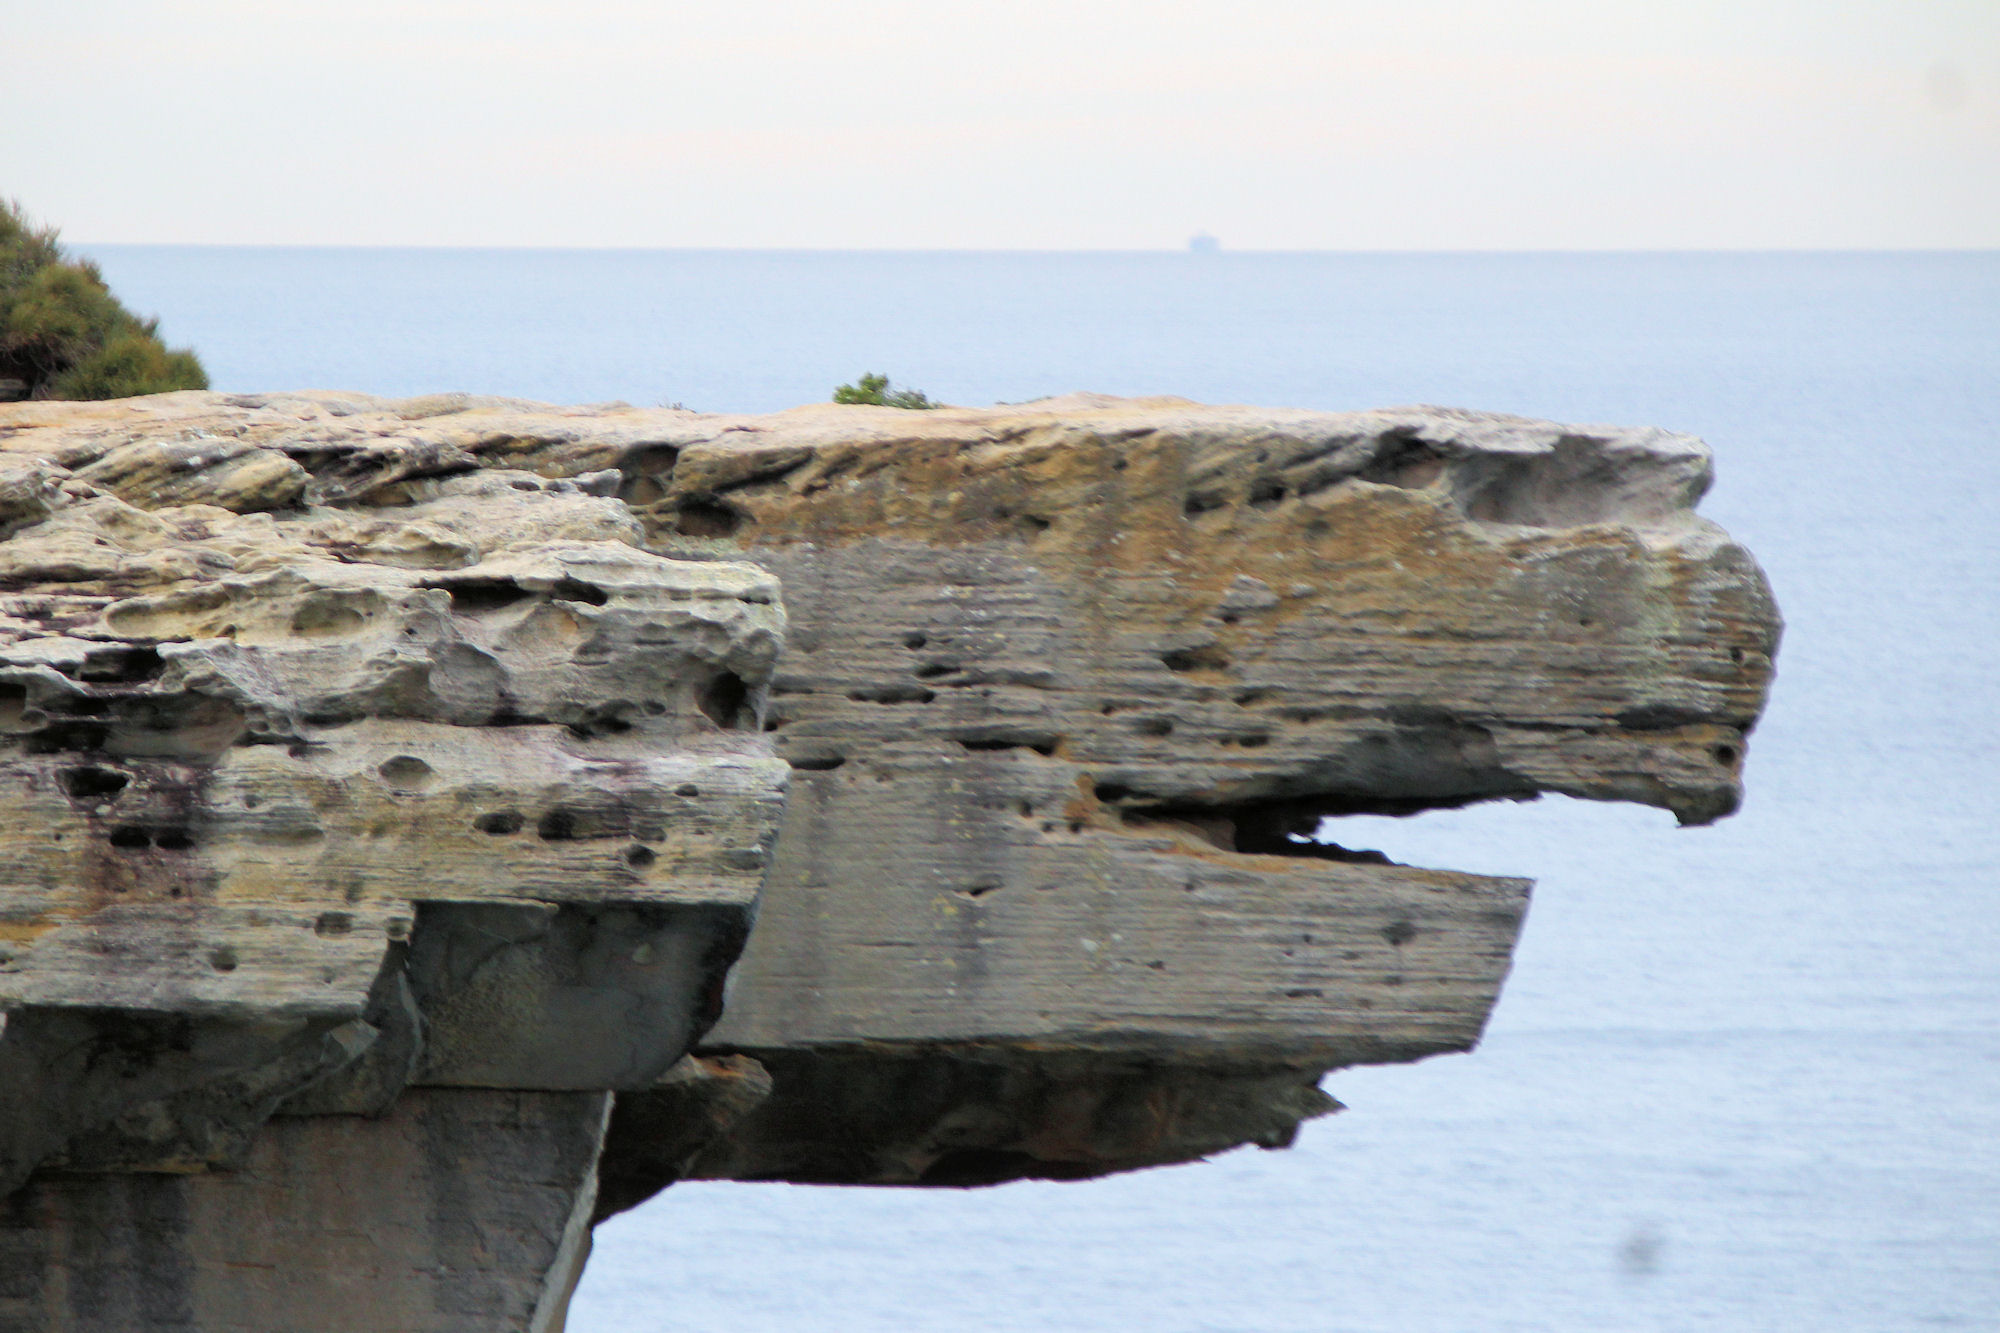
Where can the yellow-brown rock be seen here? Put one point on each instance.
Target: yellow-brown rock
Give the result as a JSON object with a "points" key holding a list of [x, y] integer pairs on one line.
{"points": [[1069, 684], [308, 800], [427, 743]]}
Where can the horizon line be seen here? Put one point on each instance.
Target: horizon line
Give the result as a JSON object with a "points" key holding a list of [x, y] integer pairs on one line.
{"points": [[1040, 250]]}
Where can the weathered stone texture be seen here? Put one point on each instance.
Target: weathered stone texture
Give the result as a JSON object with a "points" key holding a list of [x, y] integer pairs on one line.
{"points": [[324, 777], [1066, 685], [238, 749], [372, 744]]}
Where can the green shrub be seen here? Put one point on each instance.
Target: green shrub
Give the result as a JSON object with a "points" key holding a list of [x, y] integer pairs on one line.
{"points": [[874, 390], [64, 335]]}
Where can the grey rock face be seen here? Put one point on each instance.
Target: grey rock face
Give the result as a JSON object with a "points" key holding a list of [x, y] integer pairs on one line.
{"points": [[458, 1210]]}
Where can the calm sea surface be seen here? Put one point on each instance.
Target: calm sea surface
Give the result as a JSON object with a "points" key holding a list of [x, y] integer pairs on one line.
{"points": [[1744, 1077]]}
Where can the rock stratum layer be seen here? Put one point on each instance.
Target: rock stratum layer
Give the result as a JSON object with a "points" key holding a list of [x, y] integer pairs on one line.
{"points": [[391, 785]]}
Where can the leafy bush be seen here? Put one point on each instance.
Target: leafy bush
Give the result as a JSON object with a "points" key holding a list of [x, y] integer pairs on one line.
{"points": [[64, 335], [874, 390]]}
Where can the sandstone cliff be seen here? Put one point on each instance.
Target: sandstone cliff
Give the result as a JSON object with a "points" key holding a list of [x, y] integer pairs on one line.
{"points": [[391, 785]]}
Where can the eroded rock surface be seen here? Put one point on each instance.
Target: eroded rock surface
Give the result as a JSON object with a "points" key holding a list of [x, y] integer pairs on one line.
{"points": [[1066, 685], [427, 744], [317, 791]]}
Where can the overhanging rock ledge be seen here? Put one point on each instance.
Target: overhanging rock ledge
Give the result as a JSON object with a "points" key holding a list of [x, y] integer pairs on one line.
{"points": [[391, 784]]}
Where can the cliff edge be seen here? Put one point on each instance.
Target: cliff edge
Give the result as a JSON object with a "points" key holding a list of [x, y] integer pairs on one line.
{"points": [[392, 786]]}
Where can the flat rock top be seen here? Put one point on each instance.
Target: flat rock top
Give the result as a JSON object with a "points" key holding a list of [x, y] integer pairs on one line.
{"points": [[345, 446]]}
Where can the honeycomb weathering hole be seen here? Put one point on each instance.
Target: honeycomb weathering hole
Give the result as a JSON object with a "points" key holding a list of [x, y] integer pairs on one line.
{"points": [[327, 615], [405, 771], [724, 699], [557, 825], [91, 783], [121, 666], [1201, 657], [575, 590], [482, 597], [705, 516]]}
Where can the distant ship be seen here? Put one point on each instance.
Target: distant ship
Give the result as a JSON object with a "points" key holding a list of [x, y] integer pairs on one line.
{"points": [[1202, 243]]}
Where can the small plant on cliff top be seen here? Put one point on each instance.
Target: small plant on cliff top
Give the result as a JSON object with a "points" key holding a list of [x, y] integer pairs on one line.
{"points": [[64, 335], [875, 390]]}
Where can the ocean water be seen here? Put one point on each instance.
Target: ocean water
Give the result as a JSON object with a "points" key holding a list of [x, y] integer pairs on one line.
{"points": [[1743, 1077]]}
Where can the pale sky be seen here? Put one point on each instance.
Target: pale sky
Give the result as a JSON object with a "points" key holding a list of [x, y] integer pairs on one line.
{"points": [[1029, 124]]}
